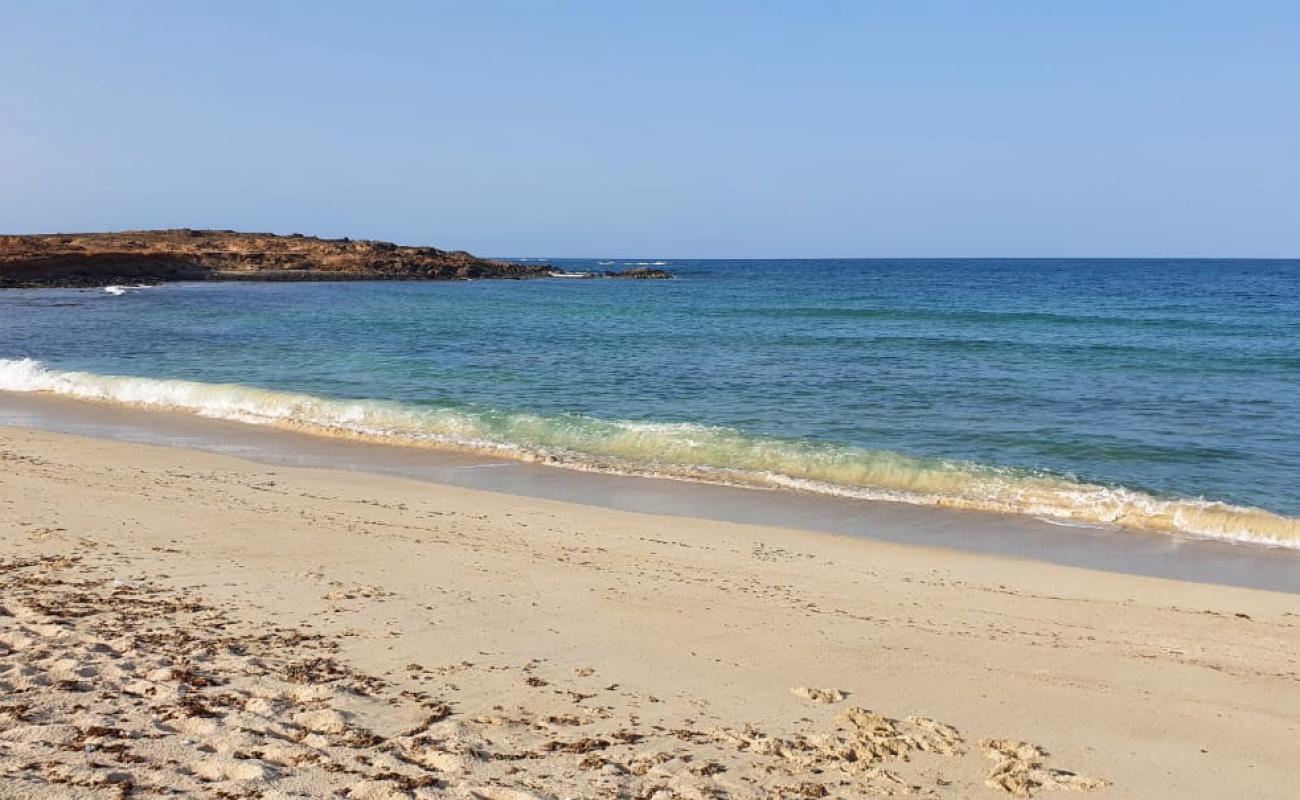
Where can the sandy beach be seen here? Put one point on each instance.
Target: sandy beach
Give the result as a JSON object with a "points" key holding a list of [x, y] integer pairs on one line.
{"points": [[649, 401], [178, 622]]}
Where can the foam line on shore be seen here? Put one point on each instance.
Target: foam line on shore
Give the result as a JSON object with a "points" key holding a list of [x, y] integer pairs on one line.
{"points": [[677, 450]]}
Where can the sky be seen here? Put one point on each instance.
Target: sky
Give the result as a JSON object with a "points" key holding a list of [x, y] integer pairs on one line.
{"points": [[665, 129]]}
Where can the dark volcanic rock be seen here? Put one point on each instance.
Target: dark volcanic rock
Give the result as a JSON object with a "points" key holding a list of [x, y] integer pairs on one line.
{"points": [[103, 259], [641, 273]]}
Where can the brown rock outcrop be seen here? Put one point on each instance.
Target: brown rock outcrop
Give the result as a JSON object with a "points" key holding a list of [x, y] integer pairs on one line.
{"points": [[103, 259]]}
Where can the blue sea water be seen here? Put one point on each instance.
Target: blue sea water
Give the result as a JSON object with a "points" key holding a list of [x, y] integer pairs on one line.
{"points": [[1154, 393]]}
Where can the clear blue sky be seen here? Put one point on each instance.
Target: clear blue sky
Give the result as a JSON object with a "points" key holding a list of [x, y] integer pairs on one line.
{"points": [[720, 129]]}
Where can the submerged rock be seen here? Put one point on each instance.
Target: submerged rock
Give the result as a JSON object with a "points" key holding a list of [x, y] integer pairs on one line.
{"points": [[641, 273]]}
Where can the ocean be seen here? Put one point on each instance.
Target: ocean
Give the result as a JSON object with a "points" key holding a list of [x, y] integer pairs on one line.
{"points": [[1161, 395]]}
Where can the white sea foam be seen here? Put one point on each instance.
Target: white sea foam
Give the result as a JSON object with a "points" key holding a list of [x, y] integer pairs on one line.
{"points": [[684, 451], [118, 291]]}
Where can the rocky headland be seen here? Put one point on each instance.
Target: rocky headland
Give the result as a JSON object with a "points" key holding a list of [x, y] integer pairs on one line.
{"points": [[105, 259]]}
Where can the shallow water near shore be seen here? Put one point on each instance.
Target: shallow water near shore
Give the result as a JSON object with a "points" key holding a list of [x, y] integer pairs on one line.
{"points": [[1103, 548], [1150, 395]]}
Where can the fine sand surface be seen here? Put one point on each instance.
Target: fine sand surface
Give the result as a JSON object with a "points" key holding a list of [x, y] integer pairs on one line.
{"points": [[194, 624]]}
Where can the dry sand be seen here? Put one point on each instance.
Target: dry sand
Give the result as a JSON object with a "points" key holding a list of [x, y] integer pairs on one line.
{"points": [[175, 622]]}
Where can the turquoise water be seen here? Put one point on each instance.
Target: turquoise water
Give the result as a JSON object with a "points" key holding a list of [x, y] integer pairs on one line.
{"points": [[1156, 394]]}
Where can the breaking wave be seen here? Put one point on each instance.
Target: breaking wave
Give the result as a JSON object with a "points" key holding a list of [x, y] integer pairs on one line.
{"points": [[118, 291], [678, 450]]}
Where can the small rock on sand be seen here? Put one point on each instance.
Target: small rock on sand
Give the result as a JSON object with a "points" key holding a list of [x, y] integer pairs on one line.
{"points": [[823, 696]]}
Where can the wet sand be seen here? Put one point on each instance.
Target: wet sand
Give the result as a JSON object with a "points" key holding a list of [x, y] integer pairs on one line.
{"points": [[183, 621], [1113, 549]]}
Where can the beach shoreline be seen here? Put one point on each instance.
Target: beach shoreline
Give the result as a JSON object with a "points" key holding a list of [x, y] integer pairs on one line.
{"points": [[1110, 548], [681, 451], [433, 640]]}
